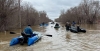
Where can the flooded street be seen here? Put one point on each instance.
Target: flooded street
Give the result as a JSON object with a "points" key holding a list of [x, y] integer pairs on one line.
{"points": [[61, 40]]}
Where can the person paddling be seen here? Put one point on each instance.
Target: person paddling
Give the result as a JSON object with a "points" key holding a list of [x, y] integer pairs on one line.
{"points": [[28, 32], [73, 23], [57, 24], [43, 23], [67, 26]]}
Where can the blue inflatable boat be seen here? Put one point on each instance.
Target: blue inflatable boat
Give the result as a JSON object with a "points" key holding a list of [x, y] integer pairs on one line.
{"points": [[31, 40]]}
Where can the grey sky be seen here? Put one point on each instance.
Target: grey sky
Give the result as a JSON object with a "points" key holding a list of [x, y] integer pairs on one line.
{"points": [[53, 7]]}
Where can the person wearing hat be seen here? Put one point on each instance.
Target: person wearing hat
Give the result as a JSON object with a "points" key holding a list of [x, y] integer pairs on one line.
{"points": [[28, 30], [67, 26], [73, 23]]}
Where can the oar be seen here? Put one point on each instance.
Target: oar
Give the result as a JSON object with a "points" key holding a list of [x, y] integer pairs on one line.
{"points": [[20, 33], [12, 33]]}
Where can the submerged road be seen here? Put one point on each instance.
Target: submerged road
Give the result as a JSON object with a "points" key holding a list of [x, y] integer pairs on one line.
{"points": [[60, 41]]}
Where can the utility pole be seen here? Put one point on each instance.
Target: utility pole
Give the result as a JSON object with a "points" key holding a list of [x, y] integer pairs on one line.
{"points": [[19, 13]]}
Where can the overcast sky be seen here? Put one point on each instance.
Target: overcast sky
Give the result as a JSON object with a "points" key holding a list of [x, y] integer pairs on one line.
{"points": [[53, 7]]}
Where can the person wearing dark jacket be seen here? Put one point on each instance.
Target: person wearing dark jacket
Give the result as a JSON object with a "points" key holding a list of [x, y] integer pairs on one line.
{"points": [[67, 26], [57, 24], [73, 23], [28, 30], [78, 28]]}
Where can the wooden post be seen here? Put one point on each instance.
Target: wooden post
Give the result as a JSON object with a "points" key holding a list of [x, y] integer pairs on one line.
{"points": [[5, 32]]}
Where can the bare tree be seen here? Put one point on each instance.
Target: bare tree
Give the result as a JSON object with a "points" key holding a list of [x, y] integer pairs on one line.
{"points": [[13, 15], [86, 12], [7, 8]]}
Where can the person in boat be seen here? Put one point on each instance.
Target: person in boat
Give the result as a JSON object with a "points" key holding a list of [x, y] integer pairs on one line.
{"points": [[52, 22], [28, 32], [57, 24], [78, 28], [67, 26], [73, 23], [43, 23]]}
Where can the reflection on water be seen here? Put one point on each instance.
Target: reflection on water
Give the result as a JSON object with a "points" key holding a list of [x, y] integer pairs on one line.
{"points": [[62, 40], [91, 26]]}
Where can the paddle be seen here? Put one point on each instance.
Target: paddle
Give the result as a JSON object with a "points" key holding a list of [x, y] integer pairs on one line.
{"points": [[20, 33]]}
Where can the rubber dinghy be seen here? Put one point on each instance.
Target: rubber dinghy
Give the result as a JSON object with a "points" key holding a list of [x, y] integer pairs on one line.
{"points": [[73, 29], [77, 29], [31, 40], [57, 27]]}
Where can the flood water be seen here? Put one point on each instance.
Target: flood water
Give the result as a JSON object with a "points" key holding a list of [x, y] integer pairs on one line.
{"points": [[60, 41]]}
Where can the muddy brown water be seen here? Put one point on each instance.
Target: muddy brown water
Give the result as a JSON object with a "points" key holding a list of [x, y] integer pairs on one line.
{"points": [[61, 40]]}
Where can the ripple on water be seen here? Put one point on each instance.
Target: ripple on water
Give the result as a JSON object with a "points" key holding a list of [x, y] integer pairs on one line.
{"points": [[89, 41]]}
